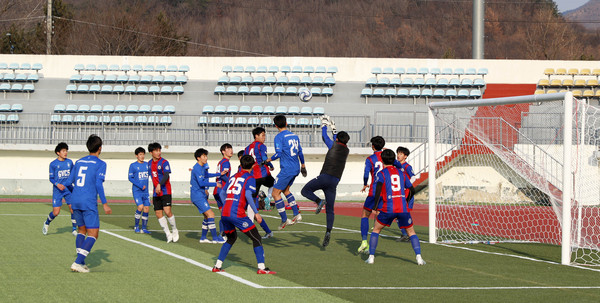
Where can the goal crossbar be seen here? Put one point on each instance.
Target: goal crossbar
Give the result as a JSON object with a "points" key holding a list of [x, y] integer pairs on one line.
{"points": [[567, 98]]}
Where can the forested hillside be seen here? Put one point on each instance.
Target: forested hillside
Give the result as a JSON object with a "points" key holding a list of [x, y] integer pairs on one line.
{"points": [[530, 29]]}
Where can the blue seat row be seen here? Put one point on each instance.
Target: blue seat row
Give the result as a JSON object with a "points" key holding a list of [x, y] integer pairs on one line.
{"points": [[268, 90], [255, 121], [22, 66], [272, 80], [420, 82], [12, 77], [120, 89], [111, 120], [276, 69], [132, 108], [17, 88], [259, 110], [418, 93], [17, 107], [459, 71], [136, 68], [133, 79], [9, 119]]}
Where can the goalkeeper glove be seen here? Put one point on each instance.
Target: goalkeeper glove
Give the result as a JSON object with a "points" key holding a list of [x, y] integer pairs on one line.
{"points": [[325, 121], [332, 125], [303, 171]]}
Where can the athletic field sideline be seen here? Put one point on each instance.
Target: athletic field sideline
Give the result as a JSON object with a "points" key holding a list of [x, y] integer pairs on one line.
{"points": [[129, 267]]}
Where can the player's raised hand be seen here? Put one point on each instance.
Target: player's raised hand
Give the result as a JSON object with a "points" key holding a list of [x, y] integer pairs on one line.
{"points": [[107, 209], [325, 120]]}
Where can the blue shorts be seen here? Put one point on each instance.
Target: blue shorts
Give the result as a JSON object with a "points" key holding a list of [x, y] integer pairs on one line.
{"points": [[58, 195], [87, 218], [370, 203], [202, 205], [141, 199], [284, 180], [404, 219], [230, 223]]}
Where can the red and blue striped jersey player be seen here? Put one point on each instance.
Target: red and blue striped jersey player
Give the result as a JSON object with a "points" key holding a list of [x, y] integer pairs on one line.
{"points": [[391, 185], [372, 166], [400, 163], [237, 197], [160, 171], [223, 166]]}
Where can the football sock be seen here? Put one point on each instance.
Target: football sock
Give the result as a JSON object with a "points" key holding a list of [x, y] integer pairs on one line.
{"points": [[171, 220], [204, 229], [261, 266], [51, 217], [270, 192], [73, 222], [260, 254], [163, 223], [403, 230], [364, 227], [83, 252], [79, 241], [414, 241], [265, 227], [281, 209], [211, 225], [292, 202], [223, 253], [219, 263], [144, 220], [138, 216], [373, 243]]}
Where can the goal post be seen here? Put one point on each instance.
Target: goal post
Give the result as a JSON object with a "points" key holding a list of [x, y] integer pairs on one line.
{"points": [[463, 134]]}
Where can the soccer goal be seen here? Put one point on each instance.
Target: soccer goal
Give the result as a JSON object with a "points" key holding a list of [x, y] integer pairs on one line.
{"points": [[516, 169]]}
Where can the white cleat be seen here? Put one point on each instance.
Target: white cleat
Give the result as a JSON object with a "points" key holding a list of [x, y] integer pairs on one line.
{"points": [[284, 224], [296, 219], [79, 268], [267, 236], [169, 238], [370, 259], [175, 235], [205, 240], [420, 260], [45, 229]]}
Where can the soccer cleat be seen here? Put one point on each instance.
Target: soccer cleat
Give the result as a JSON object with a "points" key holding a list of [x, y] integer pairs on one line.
{"points": [[319, 207], [205, 240], [420, 260], [268, 235], [217, 269], [284, 224], [175, 235], [370, 259], [404, 238], [364, 247], [261, 199], [265, 271], [326, 239], [45, 229], [79, 267], [296, 219], [169, 238], [268, 203], [219, 240], [136, 230], [145, 231]]}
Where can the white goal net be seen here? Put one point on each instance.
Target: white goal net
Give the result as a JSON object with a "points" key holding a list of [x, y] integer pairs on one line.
{"points": [[501, 174]]}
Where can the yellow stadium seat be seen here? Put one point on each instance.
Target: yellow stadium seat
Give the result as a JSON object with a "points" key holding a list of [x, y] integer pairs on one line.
{"points": [[573, 71], [555, 83], [588, 93], [539, 92], [561, 71], [579, 83], [577, 93], [596, 72], [591, 83], [551, 91], [597, 94], [549, 71], [543, 83], [585, 72], [567, 83]]}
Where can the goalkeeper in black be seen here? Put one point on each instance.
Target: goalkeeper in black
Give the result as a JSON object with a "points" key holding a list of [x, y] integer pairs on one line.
{"points": [[328, 179]]}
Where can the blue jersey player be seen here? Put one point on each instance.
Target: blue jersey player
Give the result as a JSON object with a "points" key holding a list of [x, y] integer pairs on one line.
{"points": [[88, 178], [291, 162], [199, 184], [237, 197], [401, 154], [138, 176], [373, 165], [60, 169], [390, 192]]}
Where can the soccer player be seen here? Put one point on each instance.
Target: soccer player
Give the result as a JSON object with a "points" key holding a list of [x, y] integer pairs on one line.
{"points": [[390, 192], [199, 184], [261, 172], [400, 163], [138, 176], [237, 197], [223, 166], [60, 170], [329, 177], [289, 151], [88, 177], [160, 170], [372, 166]]}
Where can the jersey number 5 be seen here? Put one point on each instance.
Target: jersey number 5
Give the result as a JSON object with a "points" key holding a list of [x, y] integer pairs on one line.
{"points": [[81, 176]]}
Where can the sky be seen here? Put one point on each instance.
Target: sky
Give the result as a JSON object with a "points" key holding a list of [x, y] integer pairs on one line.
{"points": [[565, 5]]}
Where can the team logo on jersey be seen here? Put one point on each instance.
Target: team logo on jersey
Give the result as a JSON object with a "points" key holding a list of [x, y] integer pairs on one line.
{"points": [[167, 167], [159, 167], [245, 224], [389, 197], [410, 221]]}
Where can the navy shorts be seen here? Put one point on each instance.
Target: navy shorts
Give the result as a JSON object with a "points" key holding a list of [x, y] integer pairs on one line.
{"points": [[404, 219], [230, 223], [370, 203]]}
